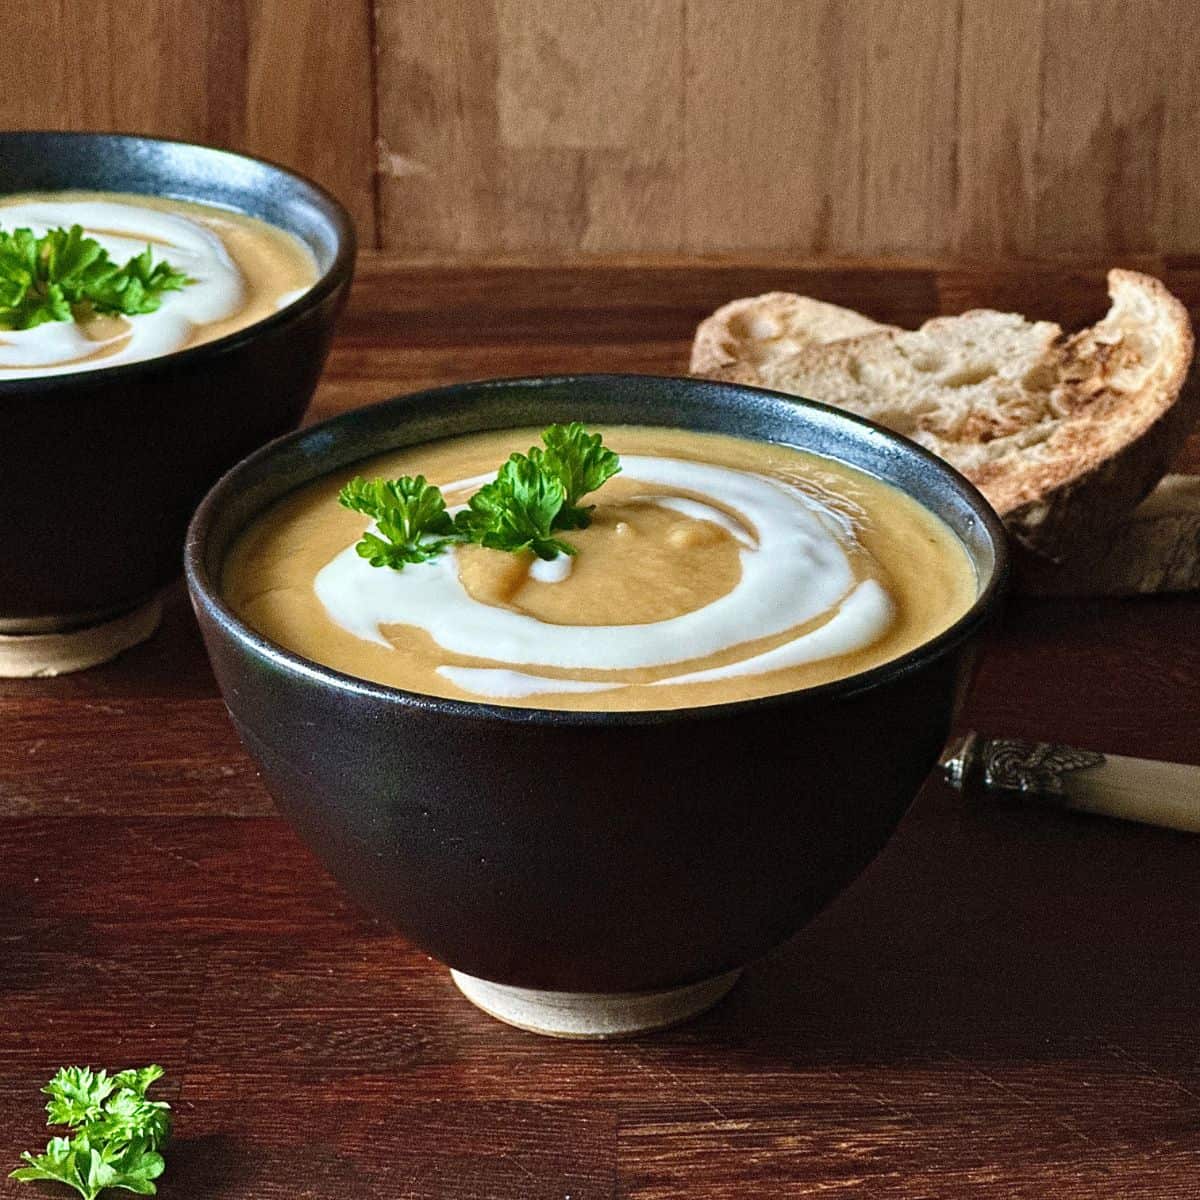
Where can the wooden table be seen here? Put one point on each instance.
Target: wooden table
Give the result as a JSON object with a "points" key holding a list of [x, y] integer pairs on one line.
{"points": [[1005, 1005]]}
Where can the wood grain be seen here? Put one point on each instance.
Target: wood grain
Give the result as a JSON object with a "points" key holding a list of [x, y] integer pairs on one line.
{"points": [[571, 128], [830, 126], [1100, 143], [516, 127], [999, 86], [1003, 1006], [289, 80], [807, 199], [905, 51]]}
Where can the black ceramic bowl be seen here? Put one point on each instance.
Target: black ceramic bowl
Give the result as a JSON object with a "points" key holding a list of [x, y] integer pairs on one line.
{"points": [[590, 852], [111, 462]]}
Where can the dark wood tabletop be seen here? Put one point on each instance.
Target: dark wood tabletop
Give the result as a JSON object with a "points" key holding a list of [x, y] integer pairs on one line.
{"points": [[1005, 1005]]}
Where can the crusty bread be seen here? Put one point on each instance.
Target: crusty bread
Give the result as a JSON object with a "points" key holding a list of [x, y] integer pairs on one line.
{"points": [[1155, 549], [1063, 435], [747, 336]]}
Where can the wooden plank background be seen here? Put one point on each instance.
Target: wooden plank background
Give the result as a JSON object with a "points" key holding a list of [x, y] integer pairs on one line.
{"points": [[469, 129]]}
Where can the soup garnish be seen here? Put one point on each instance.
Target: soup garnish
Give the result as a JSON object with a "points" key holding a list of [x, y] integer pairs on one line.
{"points": [[532, 495], [63, 276]]}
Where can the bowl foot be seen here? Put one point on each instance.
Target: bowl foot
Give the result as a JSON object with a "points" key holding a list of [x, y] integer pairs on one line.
{"points": [[38, 655], [593, 1015]]}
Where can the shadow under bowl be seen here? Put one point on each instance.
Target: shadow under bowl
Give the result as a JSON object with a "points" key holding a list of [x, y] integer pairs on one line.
{"points": [[100, 470], [591, 873]]}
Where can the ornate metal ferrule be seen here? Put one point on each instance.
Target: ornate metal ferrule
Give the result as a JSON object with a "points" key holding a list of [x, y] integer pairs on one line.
{"points": [[1013, 765]]}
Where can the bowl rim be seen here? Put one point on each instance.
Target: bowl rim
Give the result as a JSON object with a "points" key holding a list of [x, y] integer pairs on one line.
{"points": [[205, 593], [338, 271]]}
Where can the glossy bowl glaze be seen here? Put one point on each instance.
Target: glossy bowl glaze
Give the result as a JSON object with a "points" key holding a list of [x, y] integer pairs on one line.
{"points": [[100, 470], [581, 852]]}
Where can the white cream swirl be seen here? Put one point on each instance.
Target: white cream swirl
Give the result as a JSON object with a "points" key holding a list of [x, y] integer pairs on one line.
{"points": [[63, 347], [794, 571]]}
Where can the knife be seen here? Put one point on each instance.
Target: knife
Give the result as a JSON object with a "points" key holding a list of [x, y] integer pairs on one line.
{"points": [[1109, 785]]}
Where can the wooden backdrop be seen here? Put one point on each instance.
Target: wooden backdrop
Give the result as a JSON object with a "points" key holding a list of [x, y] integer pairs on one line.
{"points": [[483, 128]]}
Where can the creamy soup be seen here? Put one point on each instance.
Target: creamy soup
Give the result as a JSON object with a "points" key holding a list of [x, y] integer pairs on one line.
{"points": [[715, 569], [243, 270]]}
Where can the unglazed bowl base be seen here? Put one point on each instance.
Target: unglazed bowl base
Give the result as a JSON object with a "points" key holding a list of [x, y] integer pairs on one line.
{"points": [[593, 1015], [38, 655]]}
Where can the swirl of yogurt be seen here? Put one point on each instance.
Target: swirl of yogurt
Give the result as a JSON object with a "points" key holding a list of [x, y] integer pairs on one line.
{"points": [[62, 347], [794, 571]]}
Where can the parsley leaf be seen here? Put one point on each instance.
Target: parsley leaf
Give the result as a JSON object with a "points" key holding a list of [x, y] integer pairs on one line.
{"points": [[49, 278], [138, 287], [581, 463], [76, 1094], [410, 515], [118, 1132], [129, 1116], [57, 1163], [516, 511], [532, 496]]}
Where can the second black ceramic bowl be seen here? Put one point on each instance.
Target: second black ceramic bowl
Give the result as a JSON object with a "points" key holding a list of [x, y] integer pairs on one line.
{"points": [[580, 853], [100, 470]]}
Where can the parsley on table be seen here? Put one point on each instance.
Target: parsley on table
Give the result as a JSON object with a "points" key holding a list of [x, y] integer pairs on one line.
{"points": [[533, 496], [117, 1132], [64, 275]]}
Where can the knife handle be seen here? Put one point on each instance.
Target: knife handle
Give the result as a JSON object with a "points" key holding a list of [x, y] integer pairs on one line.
{"points": [[1137, 789], [1109, 785]]}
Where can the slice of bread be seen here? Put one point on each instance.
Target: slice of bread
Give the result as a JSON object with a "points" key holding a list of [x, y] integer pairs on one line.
{"points": [[1155, 549], [1063, 435], [749, 336]]}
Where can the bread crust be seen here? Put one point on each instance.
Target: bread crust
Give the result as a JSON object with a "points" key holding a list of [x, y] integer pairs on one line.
{"points": [[1104, 473], [726, 347], [1155, 550], [1123, 387]]}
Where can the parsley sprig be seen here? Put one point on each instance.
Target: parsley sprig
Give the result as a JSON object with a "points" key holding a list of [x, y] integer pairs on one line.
{"points": [[517, 511], [410, 515], [63, 276], [117, 1136], [533, 496], [580, 462]]}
